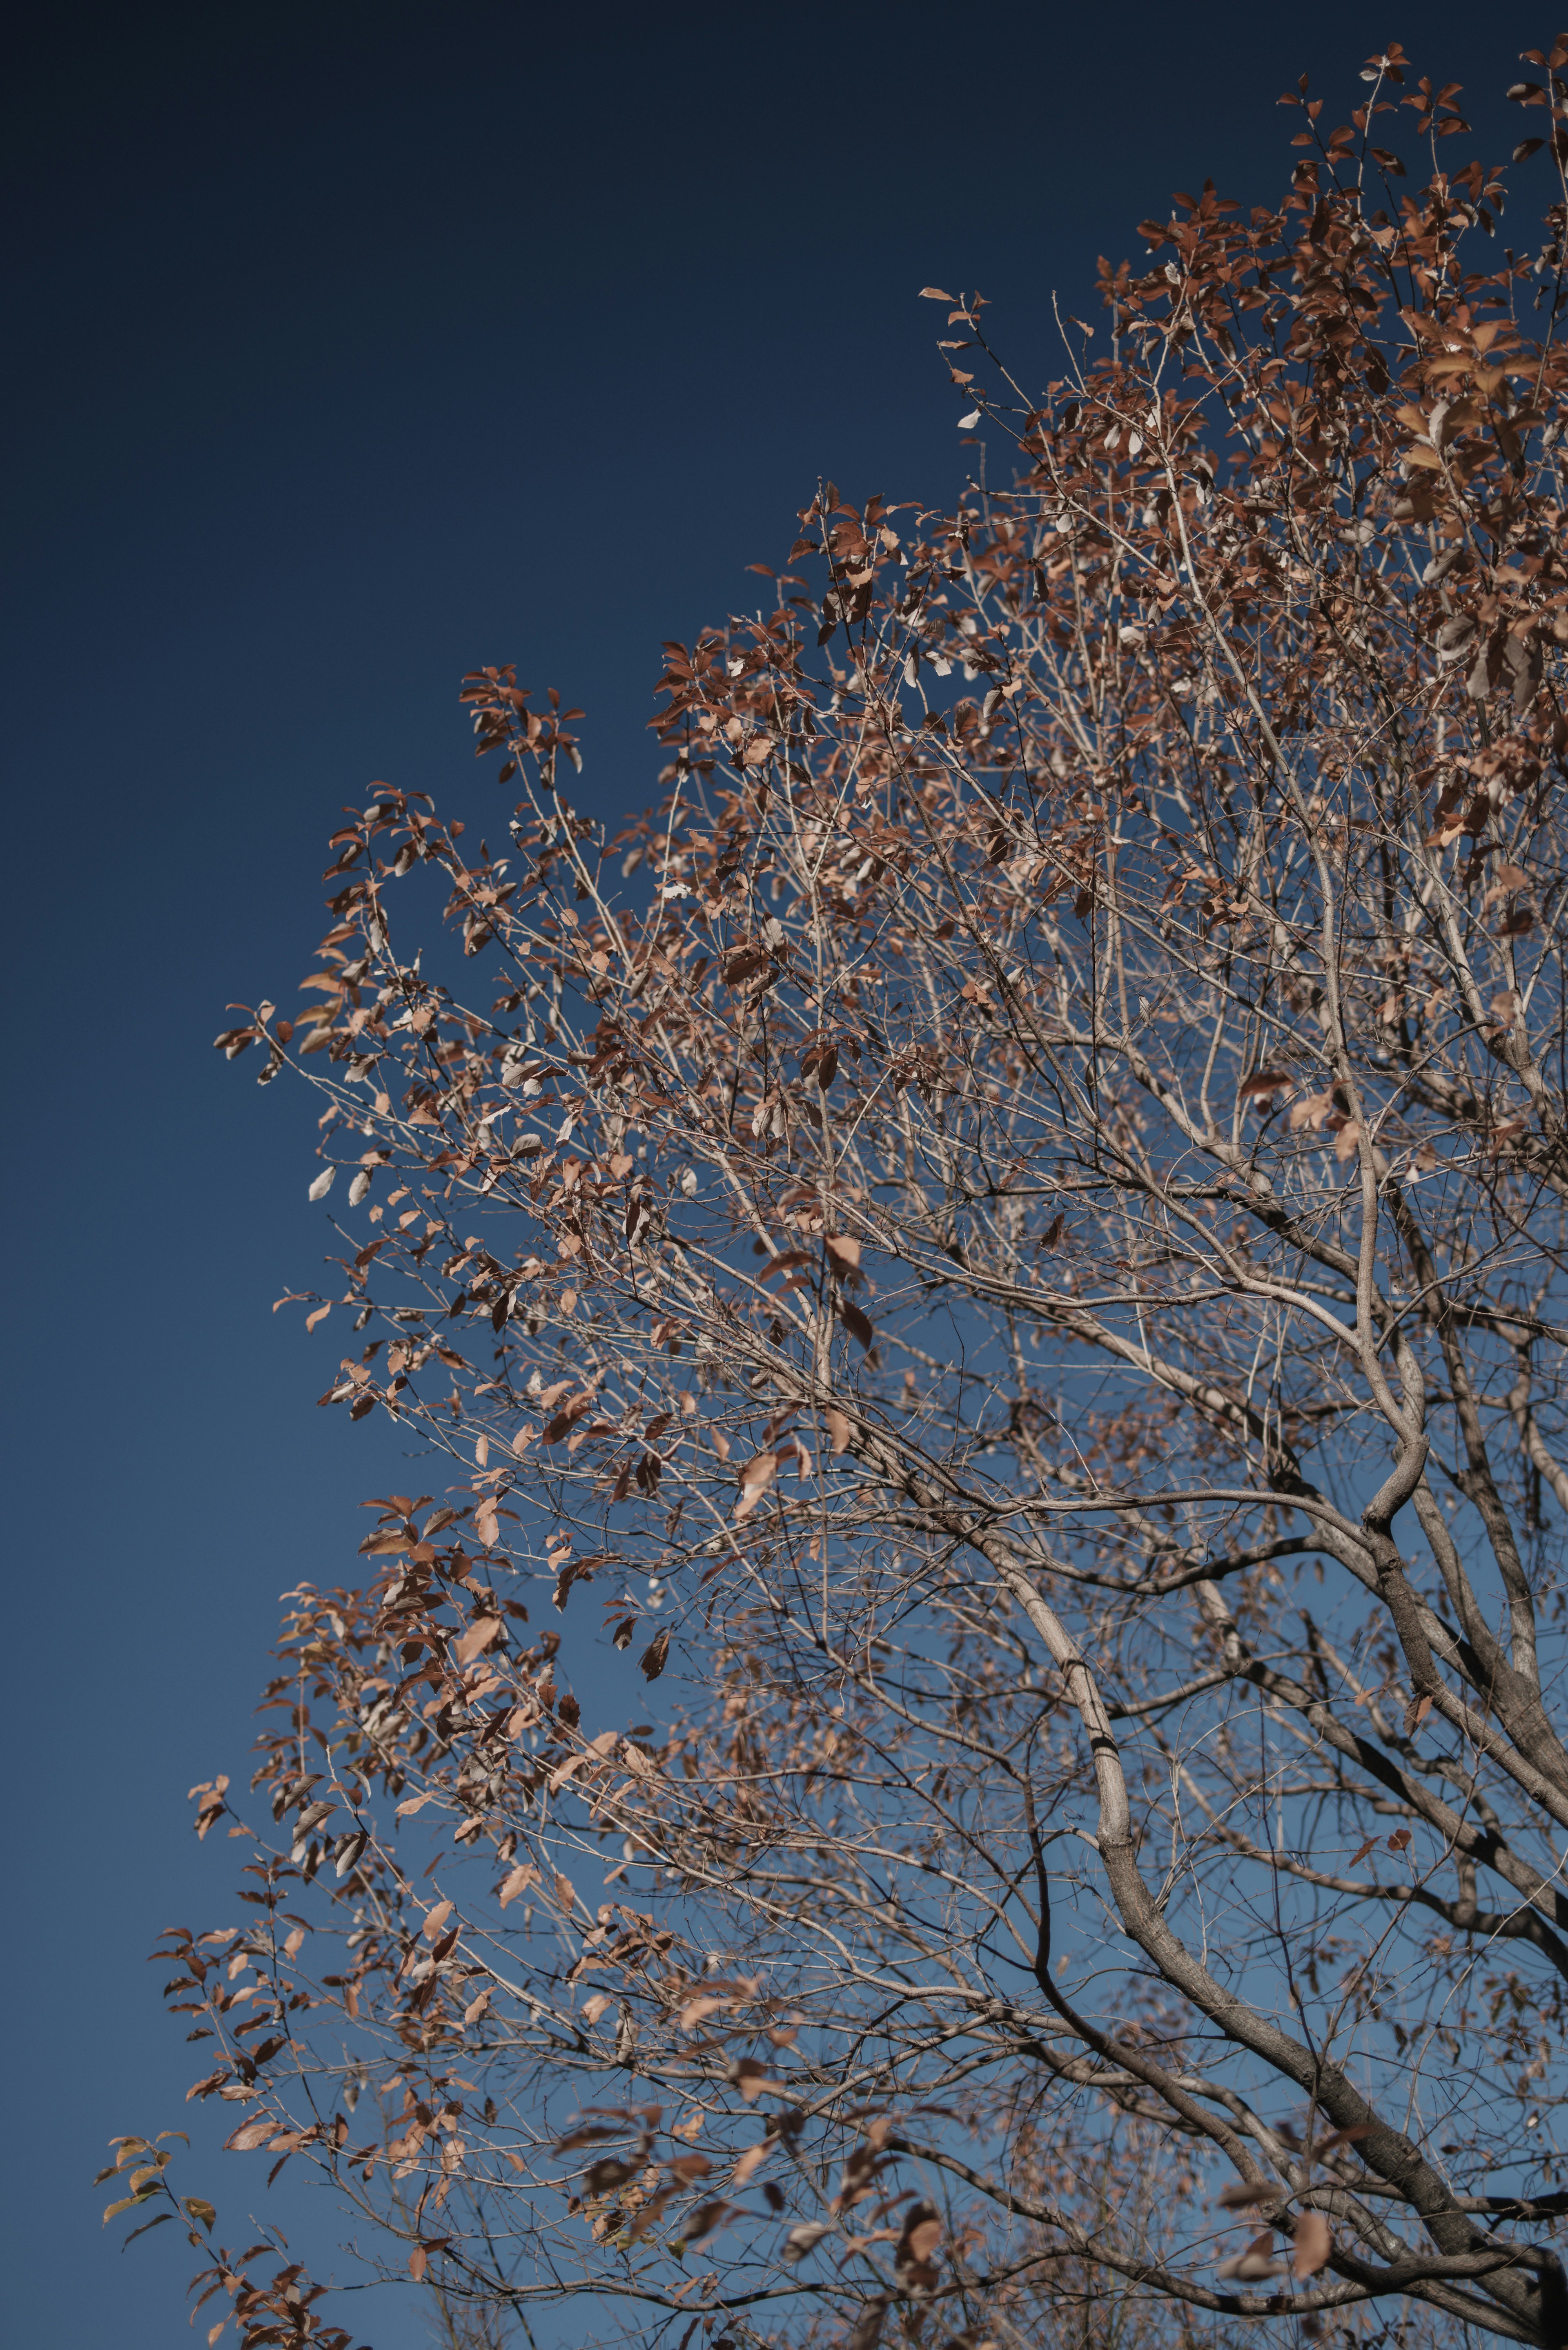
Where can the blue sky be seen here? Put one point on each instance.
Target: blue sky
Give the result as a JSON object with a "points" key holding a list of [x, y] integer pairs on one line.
{"points": [[349, 349]]}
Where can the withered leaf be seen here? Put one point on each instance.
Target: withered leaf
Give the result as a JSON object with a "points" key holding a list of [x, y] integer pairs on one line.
{"points": [[1313, 2244], [858, 1324]]}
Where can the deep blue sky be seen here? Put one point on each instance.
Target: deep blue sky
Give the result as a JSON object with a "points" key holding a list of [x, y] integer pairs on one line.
{"points": [[352, 347]]}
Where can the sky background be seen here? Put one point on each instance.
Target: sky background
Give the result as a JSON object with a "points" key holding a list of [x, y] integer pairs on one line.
{"points": [[352, 347]]}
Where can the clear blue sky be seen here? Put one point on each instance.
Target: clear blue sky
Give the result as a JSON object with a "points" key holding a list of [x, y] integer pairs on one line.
{"points": [[350, 348]]}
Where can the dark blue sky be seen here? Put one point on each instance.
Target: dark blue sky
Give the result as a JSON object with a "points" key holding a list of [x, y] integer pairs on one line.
{"points": [[352, 347]]}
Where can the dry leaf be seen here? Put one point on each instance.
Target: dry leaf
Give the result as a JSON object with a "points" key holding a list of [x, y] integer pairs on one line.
{"points": [[695, 2010], [752, 2080], [913, 2266], [1313, 2244], [856, 1323], [1255, 2263], [1265, 1082], [702, 2221], [756, 1477], [866, 2331], [479, 1636]]}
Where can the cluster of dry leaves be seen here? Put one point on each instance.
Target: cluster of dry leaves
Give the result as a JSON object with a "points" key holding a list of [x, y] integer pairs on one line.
{"points": [[1007, 1236]]}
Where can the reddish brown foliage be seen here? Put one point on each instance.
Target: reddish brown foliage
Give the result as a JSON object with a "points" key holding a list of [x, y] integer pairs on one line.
{"points": [[1033, 1252]]}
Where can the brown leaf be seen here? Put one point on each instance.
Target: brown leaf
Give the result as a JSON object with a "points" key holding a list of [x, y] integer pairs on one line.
{"points": [[702, 2221], [1265, 1082], [857, 1324], [866, 2331], [839, 1429], [751, 2079], [1253, 2265], [1416, 1713], [845, 1251], [653, 1656], [756, 1477], [696, 2010], [601, 2178], [913, 2266], [479, 1636], [1313, 2244]]}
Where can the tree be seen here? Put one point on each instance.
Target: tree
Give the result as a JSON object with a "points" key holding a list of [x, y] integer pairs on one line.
{"points": [[1024, 1275]]}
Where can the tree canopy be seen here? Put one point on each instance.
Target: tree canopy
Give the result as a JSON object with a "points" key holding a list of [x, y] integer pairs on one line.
{"points": [[1008, 1238]]}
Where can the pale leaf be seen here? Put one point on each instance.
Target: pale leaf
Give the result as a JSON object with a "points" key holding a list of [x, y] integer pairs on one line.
{"points": [[1313, 2244], [756, 1477]]}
